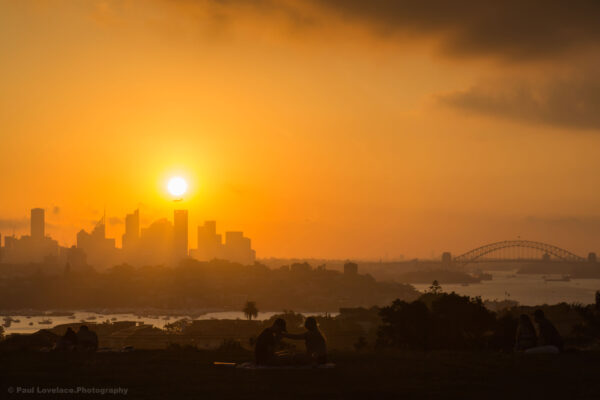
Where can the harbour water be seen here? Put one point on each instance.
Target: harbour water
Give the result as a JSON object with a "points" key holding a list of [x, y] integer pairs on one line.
{"points": [[527, 289], [30, 324], [505, 285]]}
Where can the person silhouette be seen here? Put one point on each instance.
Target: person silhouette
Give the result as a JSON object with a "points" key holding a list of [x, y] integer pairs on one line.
{"points": [[526, 337], [548, 333], [87, 340], [316, 345], [68, 341], [267, 341]]}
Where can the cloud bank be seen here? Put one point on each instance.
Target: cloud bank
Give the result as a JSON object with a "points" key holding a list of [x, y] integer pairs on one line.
{"points": [[513, 29], [571, 103]]}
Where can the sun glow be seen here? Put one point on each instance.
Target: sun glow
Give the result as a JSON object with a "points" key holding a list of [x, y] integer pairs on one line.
{"points": [[177, 186]]}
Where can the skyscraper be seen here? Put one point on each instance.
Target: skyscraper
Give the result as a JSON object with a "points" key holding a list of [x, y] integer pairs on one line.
{"points": [[100, 250], [132, 230], [209, 243], [180, 233], [37, 224], [238, 248]]}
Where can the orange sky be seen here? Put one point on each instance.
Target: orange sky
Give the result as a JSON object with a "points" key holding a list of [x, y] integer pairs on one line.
{"points": [[318, 131]]}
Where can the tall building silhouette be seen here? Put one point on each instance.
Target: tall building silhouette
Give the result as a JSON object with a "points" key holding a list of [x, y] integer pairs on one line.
{"points": [[180, 234], [38, 225], [100, 250], [156, 243], [34, 248], [131, 237], [209, 243], [236, 248]]}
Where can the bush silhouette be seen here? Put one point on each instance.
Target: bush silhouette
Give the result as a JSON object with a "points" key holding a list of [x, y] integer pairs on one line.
{"points": [[450, 321], [405, 325], [462, 320]]}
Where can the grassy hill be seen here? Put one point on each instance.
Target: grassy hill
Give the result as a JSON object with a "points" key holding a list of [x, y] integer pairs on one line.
{"points": [[190, 374]]}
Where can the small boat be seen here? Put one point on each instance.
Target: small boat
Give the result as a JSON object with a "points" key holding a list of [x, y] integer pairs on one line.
{"points": [[59, 313], [564, 278], [45, 322]]}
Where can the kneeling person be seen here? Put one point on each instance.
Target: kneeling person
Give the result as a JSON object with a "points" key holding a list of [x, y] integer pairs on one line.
{"points": [[267, 341], [316, 346]]}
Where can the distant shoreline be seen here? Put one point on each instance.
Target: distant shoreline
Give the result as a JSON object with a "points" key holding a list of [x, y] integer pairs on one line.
{"points": [[142, 312]]}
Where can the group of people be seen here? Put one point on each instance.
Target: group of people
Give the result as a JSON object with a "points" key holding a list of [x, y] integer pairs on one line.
{"points": [[268, 342], [545, 340], [82, 340]]}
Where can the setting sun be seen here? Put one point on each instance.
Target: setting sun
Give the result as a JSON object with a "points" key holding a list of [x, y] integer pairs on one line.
{"points": [[177, 186]]}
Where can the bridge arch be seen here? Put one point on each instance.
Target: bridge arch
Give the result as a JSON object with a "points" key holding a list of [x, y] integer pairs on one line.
{"points": [[479, 252]]}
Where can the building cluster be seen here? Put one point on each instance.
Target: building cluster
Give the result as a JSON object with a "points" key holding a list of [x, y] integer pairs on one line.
{"points": [[163, 242]]}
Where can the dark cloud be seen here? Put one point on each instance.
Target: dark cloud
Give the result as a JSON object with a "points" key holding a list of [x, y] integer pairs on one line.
{"points": [[571, 103], [508, 28]]}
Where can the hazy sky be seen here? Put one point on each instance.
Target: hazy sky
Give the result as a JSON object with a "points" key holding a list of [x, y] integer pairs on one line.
{"points": [[320, 128]]}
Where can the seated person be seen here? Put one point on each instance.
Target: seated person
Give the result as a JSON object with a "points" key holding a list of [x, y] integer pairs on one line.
{"points": [[526, 336], [68, 341], [548, 334], [316, 346], [87, 340], [267, 341]]}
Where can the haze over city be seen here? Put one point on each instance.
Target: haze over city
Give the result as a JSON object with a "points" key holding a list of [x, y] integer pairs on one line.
{"points": [[311, 199], [408, 131]]}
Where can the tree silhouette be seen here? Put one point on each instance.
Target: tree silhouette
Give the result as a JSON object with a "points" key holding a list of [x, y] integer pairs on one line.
{"points": [[435, 287], [250, 310]]}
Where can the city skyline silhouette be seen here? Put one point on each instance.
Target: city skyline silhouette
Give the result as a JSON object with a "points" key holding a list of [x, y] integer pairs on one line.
{"points": [[320, 130], [161, 243]]}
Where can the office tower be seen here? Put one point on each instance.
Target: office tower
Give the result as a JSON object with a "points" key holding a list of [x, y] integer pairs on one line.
{"points": [[132, 230], [180, 233], [209, 243], [210, 227], [37, 224], [238, 248], [100, 251], [156, 243]]}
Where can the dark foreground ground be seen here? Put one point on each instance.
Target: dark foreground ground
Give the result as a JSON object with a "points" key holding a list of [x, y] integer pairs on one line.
{"points": [[177, 374]]}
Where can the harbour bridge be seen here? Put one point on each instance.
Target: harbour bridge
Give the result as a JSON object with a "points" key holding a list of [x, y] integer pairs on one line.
{"points": [[516, 251]]}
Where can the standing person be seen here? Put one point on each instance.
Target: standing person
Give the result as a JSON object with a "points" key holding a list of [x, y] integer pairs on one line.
{"points": [[526, 336], [316, 345], [548, 334], [267, 341]]}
